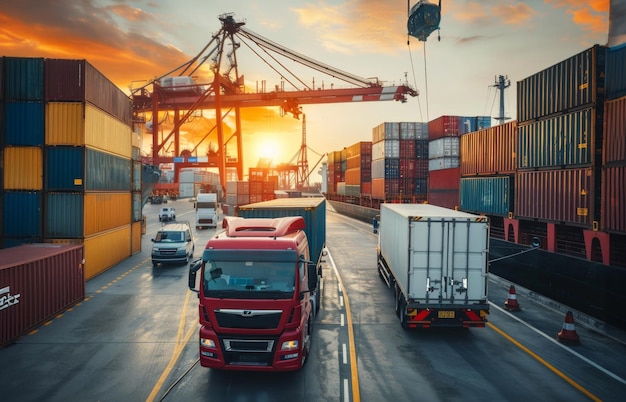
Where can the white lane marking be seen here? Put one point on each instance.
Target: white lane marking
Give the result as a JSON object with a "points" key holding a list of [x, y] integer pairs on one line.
{"points": [[341, 301], [581, 357], [342, 319], [345, 354], [346, 390]]}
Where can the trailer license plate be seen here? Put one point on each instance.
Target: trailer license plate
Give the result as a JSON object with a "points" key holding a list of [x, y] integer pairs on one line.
{"points": [[445, 314]]}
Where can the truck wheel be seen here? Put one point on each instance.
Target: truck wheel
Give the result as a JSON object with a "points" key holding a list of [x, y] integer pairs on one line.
{"points": [[397, 297]]}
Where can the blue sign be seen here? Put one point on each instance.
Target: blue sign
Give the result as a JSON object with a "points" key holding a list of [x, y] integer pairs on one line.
{"points": [[179, 159], [192, 159]]}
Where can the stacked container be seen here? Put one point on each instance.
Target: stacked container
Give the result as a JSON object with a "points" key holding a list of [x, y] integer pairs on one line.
{"points": [[262, 187], [614, 153], [487, 167], [68, 165], [399, 163], [335, 174], [560, 112], [359, 169], [443, 156]]}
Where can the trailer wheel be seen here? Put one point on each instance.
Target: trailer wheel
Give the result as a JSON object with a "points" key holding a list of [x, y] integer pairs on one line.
{"points": [[396, 294]]}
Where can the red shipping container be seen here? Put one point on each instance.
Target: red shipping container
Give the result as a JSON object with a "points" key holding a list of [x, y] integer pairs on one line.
{"points": [[561, 195], [444, 179], [407, 149], [366, 188], [37, 281], [489, 151], [615, 131], [614, 199], [444, 126], [444, 198]]}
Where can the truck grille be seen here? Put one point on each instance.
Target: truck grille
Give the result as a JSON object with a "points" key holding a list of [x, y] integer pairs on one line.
{"points": [[249, 352], [252, 319], [167, 251]]}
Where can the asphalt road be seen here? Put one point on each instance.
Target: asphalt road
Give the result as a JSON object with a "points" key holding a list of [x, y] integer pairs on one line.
{"points": [[134, 338]]}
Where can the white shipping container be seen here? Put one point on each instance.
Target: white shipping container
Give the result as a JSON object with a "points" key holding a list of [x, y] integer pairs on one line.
{"points": [[392, 148], [443, 147], [378, 150], [443, 163], [378, 169], [186, 190]]}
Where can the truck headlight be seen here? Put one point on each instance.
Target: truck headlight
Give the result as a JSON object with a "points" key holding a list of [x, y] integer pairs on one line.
{"points": [[289, 345], [207, 343]]}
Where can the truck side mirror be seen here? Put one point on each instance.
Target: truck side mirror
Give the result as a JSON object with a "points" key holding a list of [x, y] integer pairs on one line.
{"points": [[193, 269]]}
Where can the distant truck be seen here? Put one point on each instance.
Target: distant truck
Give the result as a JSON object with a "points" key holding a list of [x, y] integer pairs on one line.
{"points": [[259, 289], [436, 262], [207, 210]]}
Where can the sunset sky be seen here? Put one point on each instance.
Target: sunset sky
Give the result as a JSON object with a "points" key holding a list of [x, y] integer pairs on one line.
{"points": [[134, 40]]}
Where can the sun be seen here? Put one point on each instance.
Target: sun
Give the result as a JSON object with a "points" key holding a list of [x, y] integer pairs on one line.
{"points": [[268, 149]]}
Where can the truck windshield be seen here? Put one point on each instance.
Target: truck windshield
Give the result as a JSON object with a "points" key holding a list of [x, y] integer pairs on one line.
{"points": [[246, 279]]}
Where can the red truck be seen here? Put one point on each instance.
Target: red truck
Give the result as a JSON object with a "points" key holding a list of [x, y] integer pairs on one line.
{"points": [[258, 294]]}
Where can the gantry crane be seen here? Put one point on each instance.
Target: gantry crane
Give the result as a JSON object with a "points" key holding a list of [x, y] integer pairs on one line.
{"points": [[226, 94]]}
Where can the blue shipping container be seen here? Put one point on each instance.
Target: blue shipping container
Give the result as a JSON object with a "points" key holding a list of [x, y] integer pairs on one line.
{"points": [[22, 215], [64, 168], [65, 215], [562, 141], [615, 72], [24, 123], [469, 124], [106, 172], [489, 195], [23, 78]]}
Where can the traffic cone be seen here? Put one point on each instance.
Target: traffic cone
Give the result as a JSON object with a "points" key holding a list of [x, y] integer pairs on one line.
{"points": [[511, 303], [568, 332]]}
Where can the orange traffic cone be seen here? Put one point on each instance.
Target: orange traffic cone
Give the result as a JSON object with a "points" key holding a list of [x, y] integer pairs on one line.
{"points": [[568, 332], [511, 303]]}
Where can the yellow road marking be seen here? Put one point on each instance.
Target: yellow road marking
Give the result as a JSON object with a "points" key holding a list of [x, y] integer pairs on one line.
{"points": [[545, 363]]}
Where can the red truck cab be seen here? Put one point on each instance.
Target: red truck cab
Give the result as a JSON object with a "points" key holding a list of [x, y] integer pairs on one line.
{"points": [[255, 307]]}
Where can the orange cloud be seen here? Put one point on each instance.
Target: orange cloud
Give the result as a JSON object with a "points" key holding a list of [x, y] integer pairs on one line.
{"points": [[593, 15]]}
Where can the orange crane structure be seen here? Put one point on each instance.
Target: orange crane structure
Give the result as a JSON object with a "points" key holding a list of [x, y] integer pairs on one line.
{"points": [[226, 94]]}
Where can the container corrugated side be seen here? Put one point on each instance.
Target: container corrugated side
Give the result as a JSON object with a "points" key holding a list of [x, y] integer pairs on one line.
{"points": [[469, 124], [65, 80], [106, 249], [23, 168], [443, 147], [562, 141], [106, 211], [443, 163], [614, 145], [23, 79], [137, 207], [24, 123], [444, 179], [105, 95], [559, 196], [614, 199], [313, 210], [106, 172], [65, 123], [37, 281], [489, 151], [64, 215], [443, 126], [135, 231], [575, 82], [64, 168], [615, 67], [444, 198], [1, 86], [487, 195], [105, 133], [22, 215]]}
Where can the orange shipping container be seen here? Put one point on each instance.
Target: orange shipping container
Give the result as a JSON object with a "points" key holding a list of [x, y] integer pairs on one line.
{"points": [[23, 168], [106, 211]]}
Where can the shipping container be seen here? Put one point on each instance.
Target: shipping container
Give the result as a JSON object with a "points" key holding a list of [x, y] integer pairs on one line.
{"points": [[421, 149], [65, 123], [615, 66], [23, 168], [386, 131], [559, 196], [64, 168], [444, 179], [614, 199], [106, 133], [136, 232], [24, 123], [444, 198], [565, 140], [106, 249], [64, 215], [37, 281], [487, 195], [443, 147], [614, 145], [106, 172], [137, 207], [469, 124], [443, 126], [406, 149], [443, 163], [489, 151], [23, 79], [573, 83]]}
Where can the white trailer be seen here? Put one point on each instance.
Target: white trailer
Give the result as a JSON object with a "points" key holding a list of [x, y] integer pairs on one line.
{"points": [[436, 261], [207, 210]]}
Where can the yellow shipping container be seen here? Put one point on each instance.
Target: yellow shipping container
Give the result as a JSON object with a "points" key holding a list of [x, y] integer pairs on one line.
{"points": [[65, 124], [105, 211], [105, 250], [23, 168], [136, 231], [80, 124]]}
